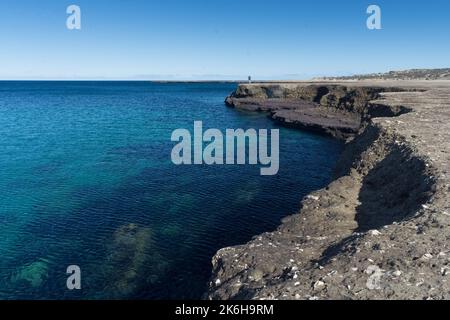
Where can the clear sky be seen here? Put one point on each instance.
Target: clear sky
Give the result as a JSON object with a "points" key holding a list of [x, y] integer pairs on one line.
{"points": [[219, 39]]}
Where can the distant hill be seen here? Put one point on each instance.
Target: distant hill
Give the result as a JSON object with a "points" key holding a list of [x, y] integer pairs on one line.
{"points": [[412, 74]]}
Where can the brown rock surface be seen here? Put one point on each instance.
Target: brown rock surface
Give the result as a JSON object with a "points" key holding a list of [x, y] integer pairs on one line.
{"points": [[380, 230], [334, 109]]}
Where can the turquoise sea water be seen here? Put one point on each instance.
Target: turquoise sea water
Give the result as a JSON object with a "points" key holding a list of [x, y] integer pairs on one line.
{"points": [[86, 178]]}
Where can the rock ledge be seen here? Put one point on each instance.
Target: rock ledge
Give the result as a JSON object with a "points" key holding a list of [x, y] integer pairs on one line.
{"points": [[381, 229]]}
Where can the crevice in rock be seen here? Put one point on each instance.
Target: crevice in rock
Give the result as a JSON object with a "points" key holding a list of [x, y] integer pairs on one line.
{"points": [[321, 92], [379, 110]]}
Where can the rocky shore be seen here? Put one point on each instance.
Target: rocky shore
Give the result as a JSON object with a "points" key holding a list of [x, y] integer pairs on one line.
{"points": [[334, 109], [381, 229]]}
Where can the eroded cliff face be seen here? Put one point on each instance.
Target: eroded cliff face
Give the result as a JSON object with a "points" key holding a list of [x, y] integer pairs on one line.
{"points": [[380, 230], [337, 96], [337, 110]]}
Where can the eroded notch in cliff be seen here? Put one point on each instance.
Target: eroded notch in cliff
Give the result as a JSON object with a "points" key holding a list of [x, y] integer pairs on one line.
{"points": [[321, 92], [394, 184]]}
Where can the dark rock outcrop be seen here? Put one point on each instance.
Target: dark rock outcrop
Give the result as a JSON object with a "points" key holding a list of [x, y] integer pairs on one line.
{"points": [[337, 110]]}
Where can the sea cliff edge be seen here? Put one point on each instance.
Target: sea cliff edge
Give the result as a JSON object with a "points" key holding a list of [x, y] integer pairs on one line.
{"points": [[381, 229]]}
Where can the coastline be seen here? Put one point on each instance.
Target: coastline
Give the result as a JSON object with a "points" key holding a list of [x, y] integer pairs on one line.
{"points": [[379, 230]]}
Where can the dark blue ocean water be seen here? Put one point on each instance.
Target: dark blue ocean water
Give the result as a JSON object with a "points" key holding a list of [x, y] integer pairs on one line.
{"points": [[86, 178]]}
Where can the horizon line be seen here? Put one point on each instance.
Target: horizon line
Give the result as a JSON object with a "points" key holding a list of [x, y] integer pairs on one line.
{"points": [[153, 80]]}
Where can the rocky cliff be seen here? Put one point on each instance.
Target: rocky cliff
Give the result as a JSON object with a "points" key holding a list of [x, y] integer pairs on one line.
{"points": [[338, 110], [381, 229]]}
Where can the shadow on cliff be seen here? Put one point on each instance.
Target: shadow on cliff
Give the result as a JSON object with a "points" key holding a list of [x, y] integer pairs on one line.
{"points": [[392, 191]]}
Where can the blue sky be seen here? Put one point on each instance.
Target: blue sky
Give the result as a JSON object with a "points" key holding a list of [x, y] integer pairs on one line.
{"points": [[219, 39]]}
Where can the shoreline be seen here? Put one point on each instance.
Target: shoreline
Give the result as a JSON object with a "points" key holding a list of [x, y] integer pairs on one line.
{"points": [[378, 231]]}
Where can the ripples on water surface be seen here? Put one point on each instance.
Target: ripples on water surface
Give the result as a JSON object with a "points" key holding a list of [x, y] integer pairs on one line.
{"points": [[86, 179]]}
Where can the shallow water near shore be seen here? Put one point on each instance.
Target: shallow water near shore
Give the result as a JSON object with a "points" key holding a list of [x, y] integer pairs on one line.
{"points": [[86, 179]]}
